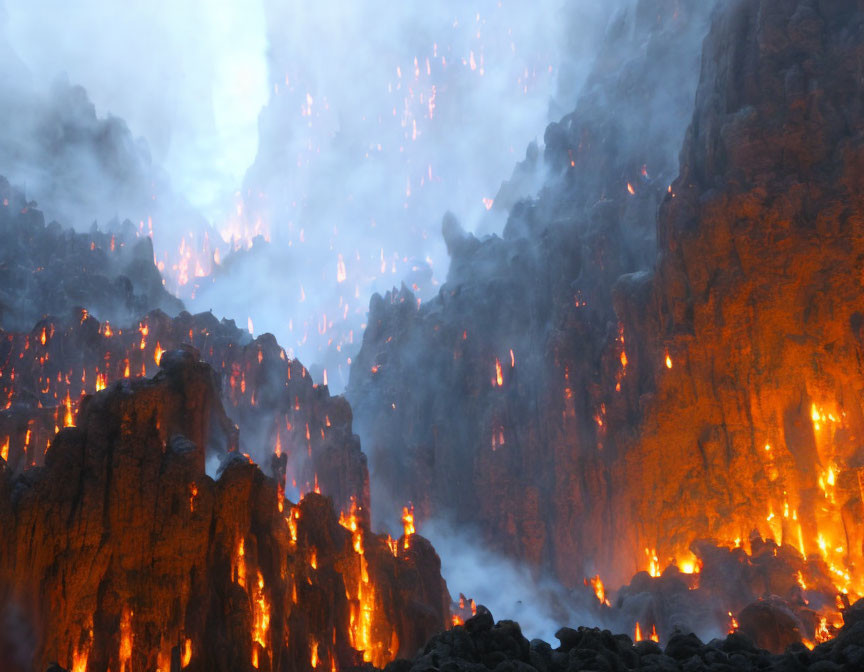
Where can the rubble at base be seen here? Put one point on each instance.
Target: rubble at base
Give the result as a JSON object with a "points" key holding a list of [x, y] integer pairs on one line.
{"points": [[482, 645]]}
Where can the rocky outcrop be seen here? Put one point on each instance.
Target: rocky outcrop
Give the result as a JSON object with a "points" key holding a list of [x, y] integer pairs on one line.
{"points": [[121, 553], [284, 421], [46, 270], [148, 562]]}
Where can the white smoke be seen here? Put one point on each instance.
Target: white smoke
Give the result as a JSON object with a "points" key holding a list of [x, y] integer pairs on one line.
{"points": [[341, 131], [507, 589]]}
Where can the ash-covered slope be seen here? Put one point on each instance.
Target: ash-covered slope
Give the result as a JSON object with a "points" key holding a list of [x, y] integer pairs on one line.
{"points": [[121, 553], [484, 406], [46, 270]]}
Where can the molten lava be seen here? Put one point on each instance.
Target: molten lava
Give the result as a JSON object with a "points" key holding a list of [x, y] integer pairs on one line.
{"points": [[408, 524]]}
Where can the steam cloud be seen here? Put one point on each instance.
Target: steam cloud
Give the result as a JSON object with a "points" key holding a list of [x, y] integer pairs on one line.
{"points": [[374, 120], [508, 590]]}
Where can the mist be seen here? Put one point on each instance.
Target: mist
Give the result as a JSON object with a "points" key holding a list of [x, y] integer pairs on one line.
{"points": [[189, 78], [508, 590], [328, 138], [380, 118]]}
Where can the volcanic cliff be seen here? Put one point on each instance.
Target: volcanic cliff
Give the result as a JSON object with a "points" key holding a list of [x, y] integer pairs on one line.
{"points": [[122, 551], [605, 411]]}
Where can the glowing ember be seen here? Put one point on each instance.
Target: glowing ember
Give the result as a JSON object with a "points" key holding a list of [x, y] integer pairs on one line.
{"points": [[653, 562], [408, 523], [240, 564], [599, 589], [733, 623], [125, 655], [823, 634], [260, 617], [193, 495], [292, 519], [79, 660], [187, 653], [689, 566], [68, 419]]}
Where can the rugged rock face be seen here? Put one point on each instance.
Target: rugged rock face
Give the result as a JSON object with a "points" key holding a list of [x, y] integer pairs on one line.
{"points": [[81, 167], [589, 417], [485, 405], [757, 296], [121, 551]]}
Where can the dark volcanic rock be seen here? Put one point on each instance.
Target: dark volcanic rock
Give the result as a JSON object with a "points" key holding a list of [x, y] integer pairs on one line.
{"points": [[771, 625], [121, 550], [46, 270], [483, 645]]}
